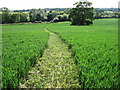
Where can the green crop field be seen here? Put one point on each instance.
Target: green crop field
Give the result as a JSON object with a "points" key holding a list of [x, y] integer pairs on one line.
{"points": [[22, 47], [95, 49]]}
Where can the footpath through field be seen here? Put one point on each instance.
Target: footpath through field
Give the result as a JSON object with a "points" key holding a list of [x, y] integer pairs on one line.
{"points": [[56, 69]]}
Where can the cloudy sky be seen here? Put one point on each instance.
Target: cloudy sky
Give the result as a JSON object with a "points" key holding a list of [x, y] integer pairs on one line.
{"points": [[28, 4]]}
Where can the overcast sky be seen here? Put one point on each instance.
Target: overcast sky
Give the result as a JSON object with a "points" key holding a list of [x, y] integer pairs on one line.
{"points": [[29, 4]]}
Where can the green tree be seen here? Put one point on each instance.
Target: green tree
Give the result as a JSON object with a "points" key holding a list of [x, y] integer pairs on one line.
{"points": [[65, 17], [51, 15], [97, 15], [15, 18], [5, 15], [32, 15], [60, 17], [24, 17], [82, 14], [36, 15]]}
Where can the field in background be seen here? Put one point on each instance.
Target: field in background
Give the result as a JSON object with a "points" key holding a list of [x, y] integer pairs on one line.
{"points": [[22, 47], [95, 49]]}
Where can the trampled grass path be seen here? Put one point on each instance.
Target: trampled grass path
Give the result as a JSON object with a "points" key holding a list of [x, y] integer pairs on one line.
{"points": [[56, 69]]}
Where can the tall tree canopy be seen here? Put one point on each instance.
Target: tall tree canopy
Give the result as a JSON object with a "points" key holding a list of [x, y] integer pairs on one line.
{"points": [[82, 14], [5, 15]]}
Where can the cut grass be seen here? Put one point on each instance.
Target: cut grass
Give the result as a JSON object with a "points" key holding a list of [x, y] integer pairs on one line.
{"points": [[56, 69]]}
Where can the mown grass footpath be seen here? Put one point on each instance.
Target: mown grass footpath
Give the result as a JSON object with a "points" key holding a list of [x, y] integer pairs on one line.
{"points": [[56, 69]]}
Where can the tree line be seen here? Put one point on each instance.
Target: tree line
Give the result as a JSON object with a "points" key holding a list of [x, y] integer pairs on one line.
{"points": [[34, 15], [50, 14]]}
